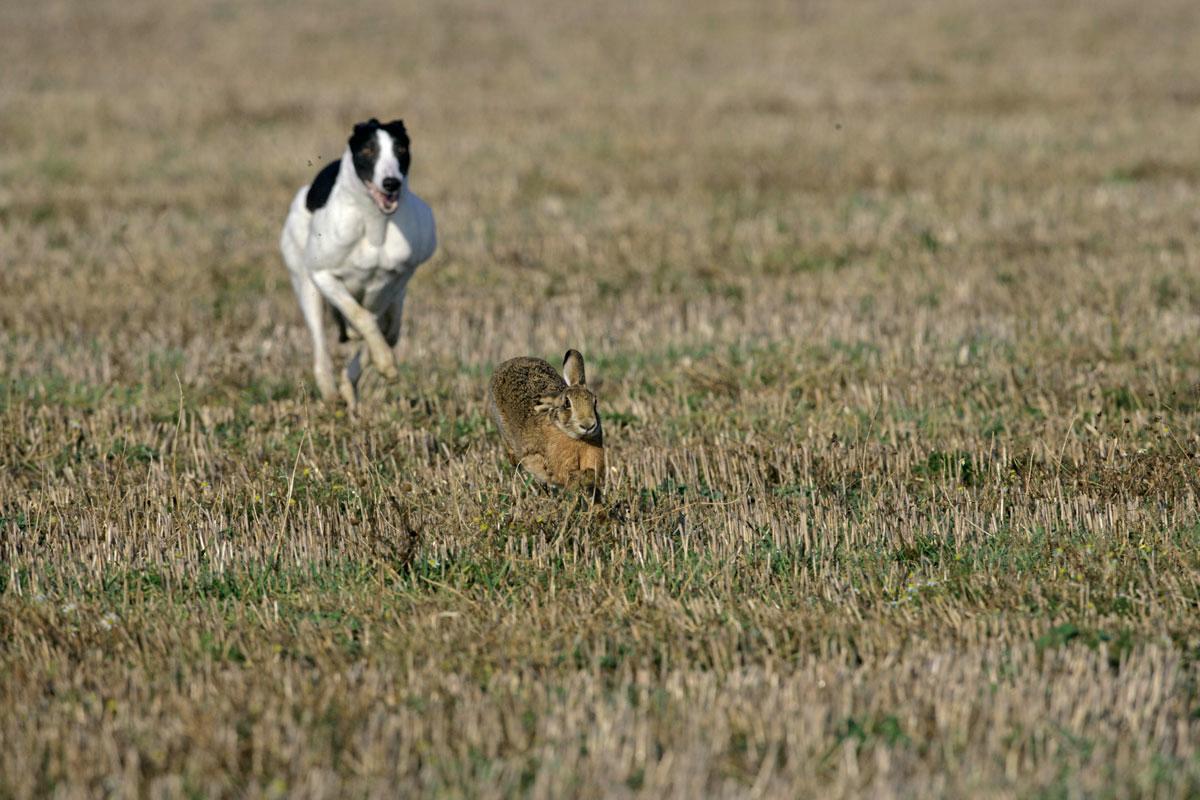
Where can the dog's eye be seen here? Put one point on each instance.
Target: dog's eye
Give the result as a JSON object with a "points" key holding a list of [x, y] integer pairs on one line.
{"points": [[369, 148]]}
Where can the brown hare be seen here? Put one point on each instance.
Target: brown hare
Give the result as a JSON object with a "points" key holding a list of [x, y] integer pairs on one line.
{"points": [[550, 425]]}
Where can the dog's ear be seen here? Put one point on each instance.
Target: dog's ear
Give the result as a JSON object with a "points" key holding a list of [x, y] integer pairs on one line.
{"points": [[396, 130], [362, 132]]}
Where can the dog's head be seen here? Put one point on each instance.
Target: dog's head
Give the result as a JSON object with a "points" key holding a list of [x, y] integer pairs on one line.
{"points": [[381, 159]]}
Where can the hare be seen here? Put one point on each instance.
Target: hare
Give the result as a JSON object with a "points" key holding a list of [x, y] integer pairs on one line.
{"points": [[550, 426]]}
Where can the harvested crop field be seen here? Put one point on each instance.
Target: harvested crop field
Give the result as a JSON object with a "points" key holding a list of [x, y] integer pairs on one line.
{"points": [[893, 309]]}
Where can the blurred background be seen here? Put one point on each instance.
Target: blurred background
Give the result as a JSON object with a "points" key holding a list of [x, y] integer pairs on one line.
{"points": [[655, 173]]}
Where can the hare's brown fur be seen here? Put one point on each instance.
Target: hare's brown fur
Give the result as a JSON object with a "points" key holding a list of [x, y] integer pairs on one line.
{"points": [[529, 403]]}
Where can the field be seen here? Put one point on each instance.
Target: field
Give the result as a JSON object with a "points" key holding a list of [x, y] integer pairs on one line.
{"points": [[894, 313]]}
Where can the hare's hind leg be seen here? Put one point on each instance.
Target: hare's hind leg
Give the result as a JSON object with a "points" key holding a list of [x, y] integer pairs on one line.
{"points": [[535, 465]]}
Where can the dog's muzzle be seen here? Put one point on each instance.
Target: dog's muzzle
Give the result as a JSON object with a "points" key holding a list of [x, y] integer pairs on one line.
{"points": [[387, 198]]}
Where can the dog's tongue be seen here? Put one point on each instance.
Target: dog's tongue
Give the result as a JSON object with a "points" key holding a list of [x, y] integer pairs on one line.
{"points": [[387, 203]]}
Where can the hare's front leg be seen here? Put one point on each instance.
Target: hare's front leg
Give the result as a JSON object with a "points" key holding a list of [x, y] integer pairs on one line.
{"points": [[587, 482]]}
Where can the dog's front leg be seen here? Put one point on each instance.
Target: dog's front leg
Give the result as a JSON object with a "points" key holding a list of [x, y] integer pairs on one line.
{"points": [[311, 305], [363, 321]]}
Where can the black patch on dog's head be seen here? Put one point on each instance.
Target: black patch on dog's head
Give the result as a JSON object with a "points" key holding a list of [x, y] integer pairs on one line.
{"points": [[322, 185], [400, 143], [364, 148]]}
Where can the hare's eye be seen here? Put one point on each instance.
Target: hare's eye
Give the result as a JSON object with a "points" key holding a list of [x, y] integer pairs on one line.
{"points": [[568, 403]]}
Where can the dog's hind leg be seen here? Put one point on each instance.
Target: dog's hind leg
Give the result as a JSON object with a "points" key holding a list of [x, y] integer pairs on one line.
{"points": [[354, 370], [392, 317], [313, 305]]}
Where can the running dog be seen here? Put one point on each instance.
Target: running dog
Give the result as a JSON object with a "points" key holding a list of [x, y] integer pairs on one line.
{"points": [[352, 239]]}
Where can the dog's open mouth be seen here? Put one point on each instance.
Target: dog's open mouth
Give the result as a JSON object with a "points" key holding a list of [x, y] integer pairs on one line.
{"points": [[386, 201]]}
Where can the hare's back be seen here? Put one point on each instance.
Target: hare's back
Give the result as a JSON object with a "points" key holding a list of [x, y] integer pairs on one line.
{"points": [[525, 380], [517, 387]]}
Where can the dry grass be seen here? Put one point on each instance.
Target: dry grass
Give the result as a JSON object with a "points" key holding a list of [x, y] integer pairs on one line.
{"points": [[895, 312]]}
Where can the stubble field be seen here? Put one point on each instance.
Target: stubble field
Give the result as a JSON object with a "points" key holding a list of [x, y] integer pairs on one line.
{"points": [[893, 313]]}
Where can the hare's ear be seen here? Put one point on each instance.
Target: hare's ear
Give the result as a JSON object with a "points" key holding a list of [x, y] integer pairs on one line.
{"points": [[547, 404], [573, 368]]}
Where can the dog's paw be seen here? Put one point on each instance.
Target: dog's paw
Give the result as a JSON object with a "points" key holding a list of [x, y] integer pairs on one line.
{"points": [[387, 366], [349, 393], [326, 386]]}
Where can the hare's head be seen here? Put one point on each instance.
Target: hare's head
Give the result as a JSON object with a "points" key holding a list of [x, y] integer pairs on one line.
{"points": [[574, 411]]}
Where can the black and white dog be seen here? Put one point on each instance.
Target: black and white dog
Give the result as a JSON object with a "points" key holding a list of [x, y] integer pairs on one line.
{"points": [[352, 239]]}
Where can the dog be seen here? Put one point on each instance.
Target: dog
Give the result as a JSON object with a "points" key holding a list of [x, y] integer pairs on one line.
{"points": [[352, 240]]}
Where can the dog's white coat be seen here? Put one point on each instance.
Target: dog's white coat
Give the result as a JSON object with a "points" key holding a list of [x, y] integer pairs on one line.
{"points": [[358, 259]]}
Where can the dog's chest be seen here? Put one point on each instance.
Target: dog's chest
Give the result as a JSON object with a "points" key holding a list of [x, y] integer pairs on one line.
{"points": [[370, 270], [389, 256]]}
